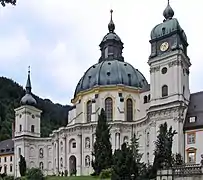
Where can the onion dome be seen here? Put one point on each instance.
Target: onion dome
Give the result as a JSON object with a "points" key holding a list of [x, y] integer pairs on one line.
{"points": [[28, 98], [111, 68], [169, 26]]}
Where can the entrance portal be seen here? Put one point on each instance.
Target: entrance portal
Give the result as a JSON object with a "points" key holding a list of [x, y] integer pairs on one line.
{"points": [[72, 165]]}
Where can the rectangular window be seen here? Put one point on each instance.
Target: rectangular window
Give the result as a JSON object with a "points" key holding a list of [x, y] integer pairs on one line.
{"points": [[74, 145], [4, 159], [192, 119], [11, 168], [11, 158], [106, 52], [191, 157], [19, 152], [191, 138]]}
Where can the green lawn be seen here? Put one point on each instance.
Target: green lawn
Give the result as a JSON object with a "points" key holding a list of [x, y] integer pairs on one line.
{"points": [[74, 178]]}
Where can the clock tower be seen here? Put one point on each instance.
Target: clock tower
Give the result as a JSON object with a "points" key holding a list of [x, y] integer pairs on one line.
{"points": [[169, 76], [169, 63]]}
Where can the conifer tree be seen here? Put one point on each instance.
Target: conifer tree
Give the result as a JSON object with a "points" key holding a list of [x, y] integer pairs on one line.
{"points": [[22, 166], [163, 150], [102, 151], [127, 161]]}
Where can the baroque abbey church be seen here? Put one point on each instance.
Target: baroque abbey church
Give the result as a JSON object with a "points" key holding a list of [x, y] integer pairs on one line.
{"points": [[132, 105]]}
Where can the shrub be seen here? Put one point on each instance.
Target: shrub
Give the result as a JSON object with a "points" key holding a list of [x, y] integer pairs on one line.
{"points": [[105, 173], [9, 178], [35, 174], [21, 178], [66, 173]]}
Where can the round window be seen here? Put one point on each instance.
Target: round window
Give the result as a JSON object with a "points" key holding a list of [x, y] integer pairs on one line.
{"points": [[164, 70]]}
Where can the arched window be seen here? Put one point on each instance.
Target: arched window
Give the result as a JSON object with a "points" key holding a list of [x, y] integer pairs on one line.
{"points": [[129, 106], [164, 90], [109, 108], [20, 128], [145, 99], [89, 111], [32, 128], [41, 165]]}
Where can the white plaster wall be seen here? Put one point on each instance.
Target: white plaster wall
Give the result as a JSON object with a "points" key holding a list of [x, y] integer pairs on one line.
{"points": [[27, 116], [30, 150], [175, 79], [197, 145], [119, 108], [9, 162]]}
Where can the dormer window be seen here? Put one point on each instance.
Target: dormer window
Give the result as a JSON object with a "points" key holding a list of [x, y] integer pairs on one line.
{"points": [[192, 119]]}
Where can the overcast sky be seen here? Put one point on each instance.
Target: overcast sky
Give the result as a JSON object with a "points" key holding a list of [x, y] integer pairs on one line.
{"points": [[59, 39]]}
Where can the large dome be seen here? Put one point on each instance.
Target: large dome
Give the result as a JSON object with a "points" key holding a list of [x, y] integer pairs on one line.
{"points": [[111, 68], [112, 72]]}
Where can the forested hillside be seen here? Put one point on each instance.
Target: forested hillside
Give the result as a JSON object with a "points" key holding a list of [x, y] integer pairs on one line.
{"points": [[53, 115]]}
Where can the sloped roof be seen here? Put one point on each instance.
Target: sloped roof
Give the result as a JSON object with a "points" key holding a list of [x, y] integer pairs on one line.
{"points": [[195, 109], [7, 147]]}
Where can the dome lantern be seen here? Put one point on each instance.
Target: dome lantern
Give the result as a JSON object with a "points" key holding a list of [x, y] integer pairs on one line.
{"points": [[111, 46]]}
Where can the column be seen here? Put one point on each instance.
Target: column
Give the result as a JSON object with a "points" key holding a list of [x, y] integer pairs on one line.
{"points": [[79, 160], [121, 110], [65, 153]]}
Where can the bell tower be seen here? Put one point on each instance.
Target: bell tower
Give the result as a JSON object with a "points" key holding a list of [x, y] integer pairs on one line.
{"points": [[169, 76], [169, 63], [27, 116]]}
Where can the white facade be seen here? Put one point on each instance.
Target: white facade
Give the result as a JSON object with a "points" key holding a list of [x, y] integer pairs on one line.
{"points": [[132, 110], [7, 164]]}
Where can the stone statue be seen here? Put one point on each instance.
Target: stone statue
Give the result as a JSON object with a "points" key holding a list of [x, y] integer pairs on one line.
{"points": [[87, 143], [87, 161], [41, 153]]}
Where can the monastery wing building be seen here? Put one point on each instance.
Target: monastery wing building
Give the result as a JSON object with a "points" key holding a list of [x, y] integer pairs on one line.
{"points": [[132, 105]]}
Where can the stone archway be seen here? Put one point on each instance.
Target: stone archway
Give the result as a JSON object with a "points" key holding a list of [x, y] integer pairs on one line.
{"points": [[72, 165]]}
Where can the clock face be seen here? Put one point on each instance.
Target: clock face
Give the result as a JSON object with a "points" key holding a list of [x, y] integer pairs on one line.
{"points": [[164, 46]]}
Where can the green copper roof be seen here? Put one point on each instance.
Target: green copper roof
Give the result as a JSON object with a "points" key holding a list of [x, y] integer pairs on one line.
{"points": [[112, 72], [167, 27], [170, 25]]}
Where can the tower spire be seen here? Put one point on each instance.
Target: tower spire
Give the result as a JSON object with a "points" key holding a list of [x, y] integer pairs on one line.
{"points": [[111, 25], [28, 84], [28, 99], [168, 12]]}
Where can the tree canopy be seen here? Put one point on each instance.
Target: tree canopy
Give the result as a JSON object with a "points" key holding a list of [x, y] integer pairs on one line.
{"points": [[102, 151], [127, 162], [163, 150], [4, 2], [53, 115]]}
